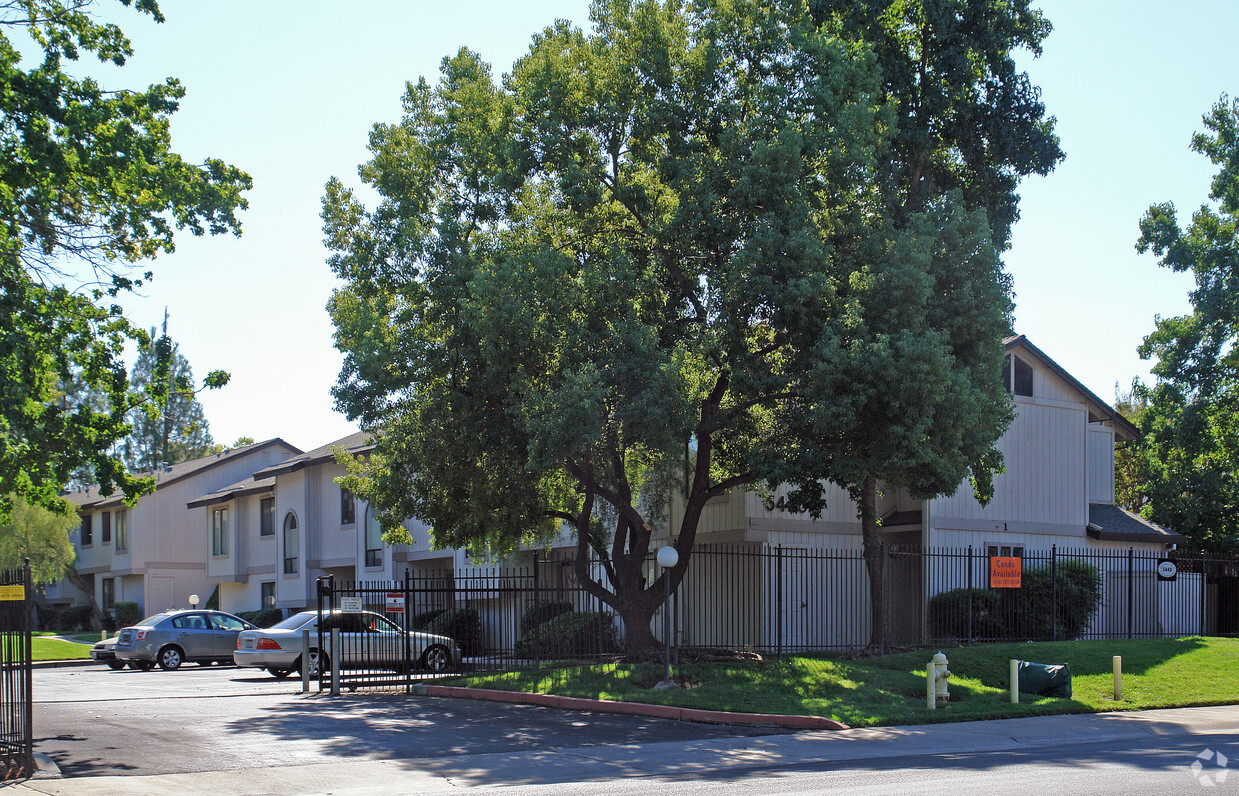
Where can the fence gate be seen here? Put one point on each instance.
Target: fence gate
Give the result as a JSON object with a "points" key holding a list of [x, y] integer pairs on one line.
{"points": [[16, 701]]}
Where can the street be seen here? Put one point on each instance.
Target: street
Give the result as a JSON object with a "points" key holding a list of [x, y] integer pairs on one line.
{"points": [[216, 730]]}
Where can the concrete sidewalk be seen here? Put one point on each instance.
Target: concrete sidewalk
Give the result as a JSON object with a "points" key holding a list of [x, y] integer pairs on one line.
{"points": [[693, 759]]}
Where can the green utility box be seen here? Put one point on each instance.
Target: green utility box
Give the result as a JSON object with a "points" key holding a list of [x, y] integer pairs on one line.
{"points": [[1045, 679]]}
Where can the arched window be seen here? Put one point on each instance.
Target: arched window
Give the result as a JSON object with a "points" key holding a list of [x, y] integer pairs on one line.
{"points": [[291, 549], [374, 539]]}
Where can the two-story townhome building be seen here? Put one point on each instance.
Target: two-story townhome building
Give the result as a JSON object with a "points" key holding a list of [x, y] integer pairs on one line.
{"points": [[151, 553], [268, 538]]}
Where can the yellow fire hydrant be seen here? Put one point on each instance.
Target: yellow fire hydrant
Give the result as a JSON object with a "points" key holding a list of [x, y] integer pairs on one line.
{"points": [[936, 681]]}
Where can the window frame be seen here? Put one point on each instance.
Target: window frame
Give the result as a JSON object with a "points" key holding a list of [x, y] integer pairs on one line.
{"points": [[219, 532], [348, 507], [266, 517], [87, 530], [105, 528], [107, 594], [373, 555], [122, 531], [290, 532]]}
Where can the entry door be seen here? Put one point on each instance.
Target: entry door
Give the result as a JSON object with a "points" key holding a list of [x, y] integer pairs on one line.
{"points": [[163, 594]]}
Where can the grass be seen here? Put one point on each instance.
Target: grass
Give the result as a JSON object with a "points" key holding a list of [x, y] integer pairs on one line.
{"points": [[43, 648], [1157, 673]]}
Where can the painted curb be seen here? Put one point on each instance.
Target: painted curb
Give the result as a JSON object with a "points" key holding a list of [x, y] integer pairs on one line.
{"points": [[632, 708]]}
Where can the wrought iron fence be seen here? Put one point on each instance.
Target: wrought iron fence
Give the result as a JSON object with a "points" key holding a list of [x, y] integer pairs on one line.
{"points": [[779, 600], [16, 700]]}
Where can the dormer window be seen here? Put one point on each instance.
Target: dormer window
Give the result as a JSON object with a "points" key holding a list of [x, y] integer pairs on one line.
{"points": [[1017, 376]]}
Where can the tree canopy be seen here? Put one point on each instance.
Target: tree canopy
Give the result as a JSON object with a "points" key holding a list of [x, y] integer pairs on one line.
{"points": [[670, 239], [41, 535], [89, 186], [1191, 419]]}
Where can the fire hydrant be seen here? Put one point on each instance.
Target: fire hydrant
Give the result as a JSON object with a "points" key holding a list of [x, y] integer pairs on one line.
{"points": [[936, 681]]}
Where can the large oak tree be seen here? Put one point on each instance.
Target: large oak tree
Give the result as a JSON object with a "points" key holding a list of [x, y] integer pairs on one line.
{"points": [[699, 225]]}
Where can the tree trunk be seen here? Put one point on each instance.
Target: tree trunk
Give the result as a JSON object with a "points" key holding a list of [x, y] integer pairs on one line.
{"points": [[873, 563], [80, 582]]}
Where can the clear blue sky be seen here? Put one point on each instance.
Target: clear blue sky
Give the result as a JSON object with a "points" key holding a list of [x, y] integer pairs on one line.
{"points": [[289, 90]]}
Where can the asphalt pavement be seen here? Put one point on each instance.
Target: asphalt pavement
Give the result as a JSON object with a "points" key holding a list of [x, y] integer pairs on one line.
{"points": [[700, 760]]}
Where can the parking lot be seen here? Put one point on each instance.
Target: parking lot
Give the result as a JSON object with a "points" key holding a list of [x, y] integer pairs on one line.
{"points": [[94, 721]]}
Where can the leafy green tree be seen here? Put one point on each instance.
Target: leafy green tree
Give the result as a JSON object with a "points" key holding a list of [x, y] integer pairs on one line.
{"points": [[88, 184], [670, 236], [1191, 424], [173, 429], [41, 535]]}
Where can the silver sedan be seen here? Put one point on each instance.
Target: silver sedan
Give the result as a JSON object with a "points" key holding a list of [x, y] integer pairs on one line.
{"points": [[173, 637], [367, 640]]}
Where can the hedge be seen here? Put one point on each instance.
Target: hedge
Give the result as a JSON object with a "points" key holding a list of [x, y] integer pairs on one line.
{"points": [[462, 625], [126, 613], [75, 617], [422, 621], [1024, 613], [571, 634], [263, 617], [538, 613]]}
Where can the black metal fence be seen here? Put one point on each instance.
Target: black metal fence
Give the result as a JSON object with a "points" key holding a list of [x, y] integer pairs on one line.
{"points": [[779, 600], [16, 699]]}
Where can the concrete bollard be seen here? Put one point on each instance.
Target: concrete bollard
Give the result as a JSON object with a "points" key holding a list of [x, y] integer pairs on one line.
{"points": [[1015, 682], [1118, 677]]}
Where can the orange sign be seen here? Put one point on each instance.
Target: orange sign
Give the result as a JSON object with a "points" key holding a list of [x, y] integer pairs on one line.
{"points": [[1004, 572]]}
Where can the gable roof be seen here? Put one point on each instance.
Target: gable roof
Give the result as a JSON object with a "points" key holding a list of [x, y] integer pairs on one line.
{"points": [[359, 442], [250, 486], [92, 497], [1097, 408], [1115, 524]]}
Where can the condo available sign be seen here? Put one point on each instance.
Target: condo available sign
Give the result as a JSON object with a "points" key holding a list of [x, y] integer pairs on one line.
{"points": [[1004, 572]]}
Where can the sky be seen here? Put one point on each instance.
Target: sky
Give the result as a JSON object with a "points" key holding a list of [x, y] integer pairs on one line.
{"points": [[288, 91]]}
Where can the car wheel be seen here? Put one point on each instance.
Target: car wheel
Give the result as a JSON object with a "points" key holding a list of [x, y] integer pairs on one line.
{"points": [[318, 662], [278, 674], [436, 658], [116, 665], [144, 666], [170, 658]]}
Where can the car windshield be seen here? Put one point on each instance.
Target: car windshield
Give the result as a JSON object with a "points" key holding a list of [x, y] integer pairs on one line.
{"points": [[295, 621]]}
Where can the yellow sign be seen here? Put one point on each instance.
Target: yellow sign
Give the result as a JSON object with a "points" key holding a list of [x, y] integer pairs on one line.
{"points": [[1004, 572], [17, 592]]}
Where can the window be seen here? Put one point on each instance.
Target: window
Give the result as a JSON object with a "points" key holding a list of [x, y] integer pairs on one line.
{"points": [[122, 531], [374, 539], [1017, 376], [87, 530], [229, 623], [291, 551], [108, 585], [1006, 551], [348, 508], [191, 622], [267, 592], [219, 532], [105, 527], [266, 517]]}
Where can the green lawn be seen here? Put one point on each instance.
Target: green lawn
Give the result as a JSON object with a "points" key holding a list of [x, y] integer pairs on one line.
{"points": [[43, 648], [1157, 673]]}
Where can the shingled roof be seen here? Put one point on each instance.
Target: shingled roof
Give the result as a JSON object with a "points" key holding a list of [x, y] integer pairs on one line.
{"points": [[1114, 524], [250, 486], [93, 498], [359, 442]]}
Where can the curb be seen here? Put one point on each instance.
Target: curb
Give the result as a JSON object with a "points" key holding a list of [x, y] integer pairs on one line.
{"points": [[632, 708], [70, 662]]}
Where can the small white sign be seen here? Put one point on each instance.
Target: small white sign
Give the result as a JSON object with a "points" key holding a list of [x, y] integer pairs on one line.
{"points": [[395, 602], [1166, 569], [350, 605]]}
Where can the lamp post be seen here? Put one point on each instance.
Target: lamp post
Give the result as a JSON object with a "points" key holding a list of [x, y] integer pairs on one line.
{"points": [[668, 557], [193, 601]]}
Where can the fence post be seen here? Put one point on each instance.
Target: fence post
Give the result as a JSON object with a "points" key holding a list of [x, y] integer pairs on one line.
{"points": [[1131, 592], [1203, 605], [28, 674], [408, 642], [1054, 592], [778, 610], [537, 648], [970, 631], [882, 592]]}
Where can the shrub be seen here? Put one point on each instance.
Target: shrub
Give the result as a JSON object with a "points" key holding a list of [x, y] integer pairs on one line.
{"points": [[422, 621], [538, 613], [1077, 600], [462, 625], [264, 617], [948, 614], [571, 634], [75, 617], [126, 613]]}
